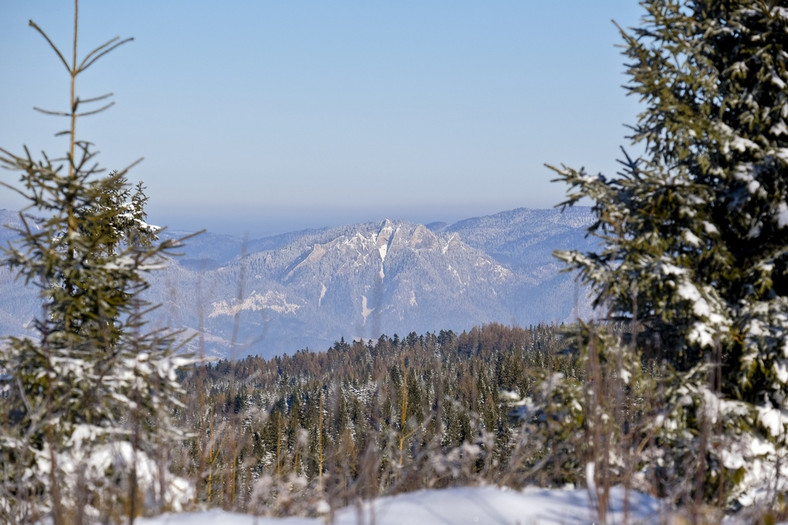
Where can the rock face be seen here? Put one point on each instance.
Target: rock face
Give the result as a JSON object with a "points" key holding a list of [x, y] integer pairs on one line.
{"points": [[308, 289]]}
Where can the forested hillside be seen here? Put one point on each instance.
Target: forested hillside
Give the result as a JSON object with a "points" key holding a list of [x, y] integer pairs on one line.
{"points": [[288, 434]]}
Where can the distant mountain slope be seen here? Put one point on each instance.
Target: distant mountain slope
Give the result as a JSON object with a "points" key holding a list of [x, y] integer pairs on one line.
{"points": [[307, 289], [515, 237]]}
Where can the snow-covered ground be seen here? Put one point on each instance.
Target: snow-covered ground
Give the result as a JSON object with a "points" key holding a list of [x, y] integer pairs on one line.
{"points": [[458, 506]]}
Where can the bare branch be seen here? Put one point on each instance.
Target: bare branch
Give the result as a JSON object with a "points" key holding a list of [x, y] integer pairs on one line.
{"points": [[94, 99], [13, 188], [55, 113], [59, 54], [99, 110], [87, 62], [127, 168], [98, 49], [6, 152]]}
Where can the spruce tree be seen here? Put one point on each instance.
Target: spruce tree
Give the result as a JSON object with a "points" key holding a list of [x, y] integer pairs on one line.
{"points": [[86, 416], [694, 236]]}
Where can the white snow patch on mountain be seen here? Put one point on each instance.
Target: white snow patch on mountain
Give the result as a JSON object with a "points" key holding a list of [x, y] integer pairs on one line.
{"points": [[364, 310], [447, 243], [323, 290], [270, 300], [383, 239]]}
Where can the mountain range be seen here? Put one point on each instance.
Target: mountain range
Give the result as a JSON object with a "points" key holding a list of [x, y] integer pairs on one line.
{"points": [[308, 289]]}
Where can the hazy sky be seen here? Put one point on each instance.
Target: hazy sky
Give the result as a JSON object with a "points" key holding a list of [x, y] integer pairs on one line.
{"points": [[262, 116]]}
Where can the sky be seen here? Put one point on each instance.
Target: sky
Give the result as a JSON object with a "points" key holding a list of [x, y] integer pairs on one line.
{"points": [[261, 117]]}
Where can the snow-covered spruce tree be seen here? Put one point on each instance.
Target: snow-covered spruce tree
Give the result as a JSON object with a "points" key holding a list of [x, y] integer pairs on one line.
{"points": [[85, 418], [694, 238]]}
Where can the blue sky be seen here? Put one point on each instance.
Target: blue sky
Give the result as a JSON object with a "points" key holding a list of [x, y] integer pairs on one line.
{"points": [[263, 116]]}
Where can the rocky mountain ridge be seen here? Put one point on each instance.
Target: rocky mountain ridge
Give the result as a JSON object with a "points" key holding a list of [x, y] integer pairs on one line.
{"points": [[308, 289]]}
